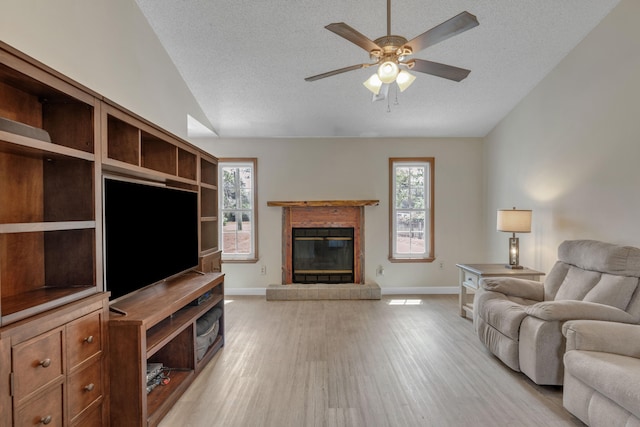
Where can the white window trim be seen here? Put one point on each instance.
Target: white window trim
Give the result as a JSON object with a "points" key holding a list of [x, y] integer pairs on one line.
{"points": [[428, 255], [252, 256]]}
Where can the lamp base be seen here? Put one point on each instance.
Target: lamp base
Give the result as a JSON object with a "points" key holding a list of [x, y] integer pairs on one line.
{"points": [[514, 267]]}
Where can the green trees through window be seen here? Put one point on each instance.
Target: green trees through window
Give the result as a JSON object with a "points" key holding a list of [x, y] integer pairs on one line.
{"points": [[411, 216], [238, 202]]}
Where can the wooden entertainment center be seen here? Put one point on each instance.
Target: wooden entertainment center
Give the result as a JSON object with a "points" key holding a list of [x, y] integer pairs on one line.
{"points": [[64, 358]]}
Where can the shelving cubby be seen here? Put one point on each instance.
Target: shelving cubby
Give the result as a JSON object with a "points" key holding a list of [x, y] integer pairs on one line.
{"points": [[138, 148], [208, 205], [47, 186]]}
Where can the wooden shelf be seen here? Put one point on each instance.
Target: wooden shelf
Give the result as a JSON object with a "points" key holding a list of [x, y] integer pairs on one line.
{"points": [[173, 295], [161, 396], [26, 304], [10, 142], [164, 331], [209, 186]]}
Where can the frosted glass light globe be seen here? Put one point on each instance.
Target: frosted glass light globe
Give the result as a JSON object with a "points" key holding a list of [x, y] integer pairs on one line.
{"points": [[388, 71]]}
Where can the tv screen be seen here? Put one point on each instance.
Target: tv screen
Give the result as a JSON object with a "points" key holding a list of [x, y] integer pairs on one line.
{"points": [[151, 234]]}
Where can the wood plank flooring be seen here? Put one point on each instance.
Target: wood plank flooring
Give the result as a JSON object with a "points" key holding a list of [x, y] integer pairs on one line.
{"points": [[400, 361]]}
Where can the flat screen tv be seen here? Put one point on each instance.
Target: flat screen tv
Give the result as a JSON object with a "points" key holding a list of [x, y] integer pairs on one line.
{"points": [[151, 234]]}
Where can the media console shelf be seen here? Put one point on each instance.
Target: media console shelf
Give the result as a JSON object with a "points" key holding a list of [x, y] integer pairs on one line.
{"points": [[159, 327]]}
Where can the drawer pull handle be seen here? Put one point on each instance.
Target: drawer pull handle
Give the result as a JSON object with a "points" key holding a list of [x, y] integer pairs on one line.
{"points": [[46, 420], [45, 364], [89, 387], [89, 339]]}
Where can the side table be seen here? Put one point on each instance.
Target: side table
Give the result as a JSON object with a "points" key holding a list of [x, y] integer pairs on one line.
{"points": [[470, 275]]}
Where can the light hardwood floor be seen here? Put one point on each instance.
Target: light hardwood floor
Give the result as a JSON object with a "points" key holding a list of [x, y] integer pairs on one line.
{"points": [[401, 361]]}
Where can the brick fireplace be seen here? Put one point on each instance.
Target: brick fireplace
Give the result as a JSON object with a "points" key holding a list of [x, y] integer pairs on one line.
{"points": [[330, 218]]}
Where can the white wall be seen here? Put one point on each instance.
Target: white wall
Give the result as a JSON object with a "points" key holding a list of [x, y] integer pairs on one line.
{"points": [[570, 150], [350, 169], [107, 46]]}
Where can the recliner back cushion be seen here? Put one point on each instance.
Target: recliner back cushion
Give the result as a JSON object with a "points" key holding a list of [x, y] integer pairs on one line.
{"points": [[554, 279], [612, 290], [577, 284], [600, 256]]}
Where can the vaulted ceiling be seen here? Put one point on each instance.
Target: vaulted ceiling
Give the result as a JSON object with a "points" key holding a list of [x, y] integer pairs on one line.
{"points": [[245, 62]]}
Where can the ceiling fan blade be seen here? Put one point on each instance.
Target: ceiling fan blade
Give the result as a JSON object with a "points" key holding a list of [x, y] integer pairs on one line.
{"points": [[456, 25], [338, 71], [440, 70], [355, 37]]}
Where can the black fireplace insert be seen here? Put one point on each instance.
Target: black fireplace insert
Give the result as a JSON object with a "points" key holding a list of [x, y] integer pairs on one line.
{"points": [[322, 255]]}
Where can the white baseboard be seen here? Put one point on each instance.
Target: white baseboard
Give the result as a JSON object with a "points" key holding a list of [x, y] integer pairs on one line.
{"points": [[423, 290]]}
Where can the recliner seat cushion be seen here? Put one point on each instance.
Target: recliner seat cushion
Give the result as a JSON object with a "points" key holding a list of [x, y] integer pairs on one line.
{"points": [[614, 376]]}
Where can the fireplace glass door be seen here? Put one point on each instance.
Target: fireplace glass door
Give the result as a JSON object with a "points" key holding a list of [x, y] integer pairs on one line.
{"points": [[322, 255]]}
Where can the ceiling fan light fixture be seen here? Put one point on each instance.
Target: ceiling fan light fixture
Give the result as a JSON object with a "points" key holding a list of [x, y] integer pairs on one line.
{"points": [[373, 83], [388, 71], [404, 79]]}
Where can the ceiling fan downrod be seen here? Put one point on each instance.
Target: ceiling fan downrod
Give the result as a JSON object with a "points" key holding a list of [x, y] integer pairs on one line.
{"points": [[388, 17]]}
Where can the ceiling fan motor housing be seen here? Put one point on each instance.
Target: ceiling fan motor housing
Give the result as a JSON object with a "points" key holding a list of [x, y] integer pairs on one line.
{"points": [[393, 48]]}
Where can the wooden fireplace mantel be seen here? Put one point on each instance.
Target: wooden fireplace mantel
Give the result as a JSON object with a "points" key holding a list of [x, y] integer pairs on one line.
{"points": [[323, 203]]}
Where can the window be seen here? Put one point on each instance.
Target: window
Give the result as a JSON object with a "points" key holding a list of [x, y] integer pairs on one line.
{"points": [[238, 197], [411, 209]]}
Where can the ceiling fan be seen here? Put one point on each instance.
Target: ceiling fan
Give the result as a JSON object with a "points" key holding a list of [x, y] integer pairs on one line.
{"points": [[390, 53]]}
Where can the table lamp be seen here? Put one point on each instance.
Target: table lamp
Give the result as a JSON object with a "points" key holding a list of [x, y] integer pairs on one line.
{"points": [[514, 221]]}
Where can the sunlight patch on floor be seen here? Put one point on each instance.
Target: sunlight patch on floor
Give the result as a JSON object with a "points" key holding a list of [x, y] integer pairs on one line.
{"points": [[405, 302]]}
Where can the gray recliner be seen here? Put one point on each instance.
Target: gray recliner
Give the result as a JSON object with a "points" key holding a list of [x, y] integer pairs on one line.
{"points": [[520, 321], [602, 373]]}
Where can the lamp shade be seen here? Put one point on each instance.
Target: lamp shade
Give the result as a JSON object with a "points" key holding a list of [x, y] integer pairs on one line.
{"points": [[514, 220]]}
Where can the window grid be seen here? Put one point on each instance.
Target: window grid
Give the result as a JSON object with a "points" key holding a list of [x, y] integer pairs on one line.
{"points": [[238, 210], [411, 227]]}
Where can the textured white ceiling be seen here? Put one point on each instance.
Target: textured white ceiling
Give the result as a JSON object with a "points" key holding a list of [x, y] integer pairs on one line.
{"points": [[245, 62]]}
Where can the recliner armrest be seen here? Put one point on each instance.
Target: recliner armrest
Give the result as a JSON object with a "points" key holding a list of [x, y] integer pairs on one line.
{"points": [[515, 287], [607, 337], [564, 310]]}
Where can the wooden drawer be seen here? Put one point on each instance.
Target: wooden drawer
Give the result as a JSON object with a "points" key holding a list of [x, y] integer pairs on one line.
{"points": [[45, 409], [84, 338], [37, 362], [93, 418], [84, 388], [470, 280]]}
